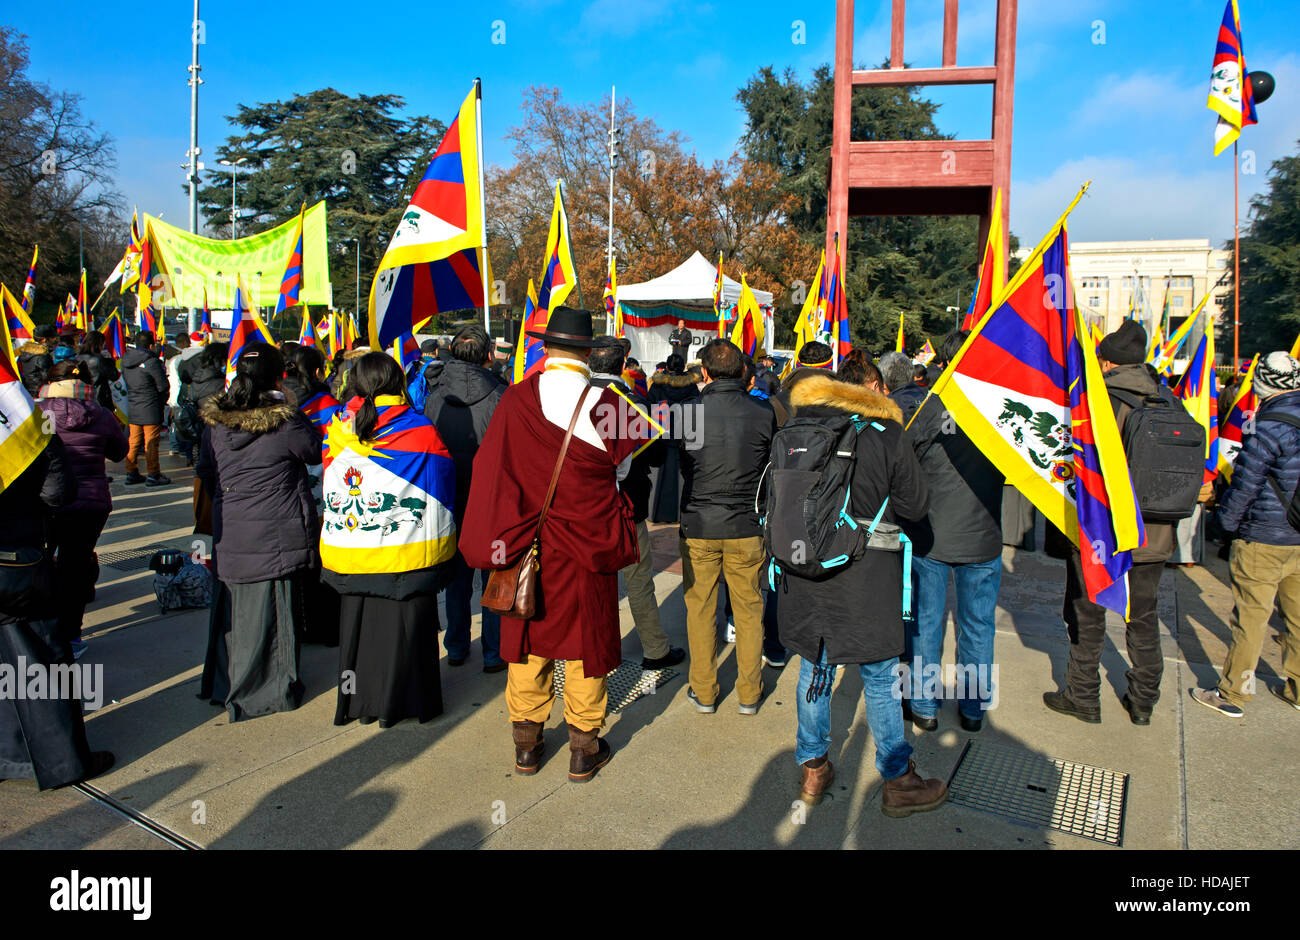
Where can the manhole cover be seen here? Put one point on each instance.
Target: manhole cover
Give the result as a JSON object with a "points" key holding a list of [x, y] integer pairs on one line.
{"points": [[1042, 791], [626, 684], [134, 559]]}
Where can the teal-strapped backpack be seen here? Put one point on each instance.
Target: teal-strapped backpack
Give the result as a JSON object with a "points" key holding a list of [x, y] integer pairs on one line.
{"points": [[808, 526]]}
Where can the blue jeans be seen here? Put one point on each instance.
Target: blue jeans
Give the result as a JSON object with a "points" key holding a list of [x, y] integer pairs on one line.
{"points": [[456, 639], [977, 598], [884, 713]]}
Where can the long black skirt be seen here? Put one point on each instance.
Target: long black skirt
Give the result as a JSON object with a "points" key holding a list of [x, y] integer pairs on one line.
{"points": [[41, 739], [388, 658], [263, 646], [215, 684]]}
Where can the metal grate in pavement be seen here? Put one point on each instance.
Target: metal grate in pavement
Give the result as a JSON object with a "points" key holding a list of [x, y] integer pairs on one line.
{"points": [[1042, 791], [133, 559], [626, 684]]}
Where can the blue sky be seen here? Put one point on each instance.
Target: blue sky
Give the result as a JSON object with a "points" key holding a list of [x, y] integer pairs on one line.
{"points": [[1128, 112]]}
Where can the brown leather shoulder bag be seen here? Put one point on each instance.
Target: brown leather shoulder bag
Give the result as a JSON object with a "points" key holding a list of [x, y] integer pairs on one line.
{"points": [[512, 592]]}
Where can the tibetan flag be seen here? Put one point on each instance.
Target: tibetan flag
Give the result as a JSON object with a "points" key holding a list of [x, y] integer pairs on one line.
{"points": [[23, 433], [1240, 417], [59, 319], [1199, 392], [406, 351], [291, 283], [558, 280], [611, 288], [1157, 346], [719, 299], [1175, 342], [1097, 335], [899, 344], [528, 351], [1231, 96], [748, 331], [387, 502], [17, 322], [83, 307], [320, 410], [114, 335], [246, 328], [993, 270], [29, 287], [1027, 389], [835, 319], [433, 260], [307, 335], [130, 264], [807, 325], [205, 322], [927, 354], [1295, 347], [350, 332]]}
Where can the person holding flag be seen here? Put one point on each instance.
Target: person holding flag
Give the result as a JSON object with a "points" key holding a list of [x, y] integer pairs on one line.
{"points": [[1264, 560]]}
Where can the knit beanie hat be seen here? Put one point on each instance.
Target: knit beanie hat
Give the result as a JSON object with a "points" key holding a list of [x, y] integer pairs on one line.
{"points": [[1276, 373], [1126, 346]]}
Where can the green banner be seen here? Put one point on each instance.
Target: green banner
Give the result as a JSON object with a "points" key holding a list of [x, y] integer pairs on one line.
{"points": [[194, 263]]}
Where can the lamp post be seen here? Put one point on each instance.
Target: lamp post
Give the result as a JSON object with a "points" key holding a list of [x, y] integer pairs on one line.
{"points": [[234, 193]]}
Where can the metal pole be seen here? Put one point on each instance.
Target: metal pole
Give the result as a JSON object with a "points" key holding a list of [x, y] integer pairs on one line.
{"points": [[613, 157], [194, 83], [234, 199], [1236, 264], [482, 202], [358, 301]]}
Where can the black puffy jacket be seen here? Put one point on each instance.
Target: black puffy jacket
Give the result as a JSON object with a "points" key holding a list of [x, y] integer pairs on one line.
{"points": [[723, 457], [205, 378], [103, 371], [460, 405], [147, 387]]}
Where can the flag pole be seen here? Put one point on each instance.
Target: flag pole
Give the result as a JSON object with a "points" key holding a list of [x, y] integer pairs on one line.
{"points": [[1236, 263], [482, 201], [613, 156]]}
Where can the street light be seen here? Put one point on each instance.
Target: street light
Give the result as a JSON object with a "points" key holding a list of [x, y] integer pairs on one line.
{"points": [[234, 176], [343, 248]]}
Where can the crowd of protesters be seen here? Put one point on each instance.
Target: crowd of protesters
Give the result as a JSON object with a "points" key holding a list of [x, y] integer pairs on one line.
{"points": [[503, 472]]}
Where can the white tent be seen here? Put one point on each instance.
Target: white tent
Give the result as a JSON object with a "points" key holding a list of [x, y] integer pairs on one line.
{"points": [[652, 308]]}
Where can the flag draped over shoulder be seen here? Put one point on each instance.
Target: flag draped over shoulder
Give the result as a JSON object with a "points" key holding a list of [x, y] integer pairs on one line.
{"points": [[1240, 417], [433, 262], [245, 327], [18, 323], [748, 331], [558, 279], [1231, 96], [387, 503], [1027, 389], [1199, 391], [29, 286], [993, 269], [22, 432], [320, 410], [405, 352]]}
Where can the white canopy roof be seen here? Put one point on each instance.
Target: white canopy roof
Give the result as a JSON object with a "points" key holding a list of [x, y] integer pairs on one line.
{"points": [[689, 282]]}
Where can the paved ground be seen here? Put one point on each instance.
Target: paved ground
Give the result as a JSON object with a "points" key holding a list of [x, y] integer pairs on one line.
{"points": [[678, 779]]}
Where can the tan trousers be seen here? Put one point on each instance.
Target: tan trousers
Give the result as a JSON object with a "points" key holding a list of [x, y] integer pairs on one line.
{"points": [[740, 561], [640, 581], [530, 693], [143, 438], [1261, 573]]}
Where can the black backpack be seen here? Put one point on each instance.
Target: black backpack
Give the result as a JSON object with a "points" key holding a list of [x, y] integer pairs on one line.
{"points": [[807, 527], [1293, 504], [1165, 447]]}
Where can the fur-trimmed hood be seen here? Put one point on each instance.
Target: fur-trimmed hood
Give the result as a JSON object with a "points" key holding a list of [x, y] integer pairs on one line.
{"points": [[826, 392], [680, 380], [265, 417]]}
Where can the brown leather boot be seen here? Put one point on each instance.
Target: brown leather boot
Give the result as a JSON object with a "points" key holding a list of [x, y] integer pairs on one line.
{"points": [[908, 794], [529, 746], [817, 776], [587, 754]]}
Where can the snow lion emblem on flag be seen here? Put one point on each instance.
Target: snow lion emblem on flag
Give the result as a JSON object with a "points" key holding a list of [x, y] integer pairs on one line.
{"points": [[1039, 434]]}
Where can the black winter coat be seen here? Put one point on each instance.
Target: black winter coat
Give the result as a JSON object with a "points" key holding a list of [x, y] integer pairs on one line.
{"points": [[909, 398], [723, 466], [34, 365], [637, 482], [27, 506], [103, 371], [203, 377], [857, 610], [1250, 507], [147, 387], [256, 463], [964, 525], [460, 405]]}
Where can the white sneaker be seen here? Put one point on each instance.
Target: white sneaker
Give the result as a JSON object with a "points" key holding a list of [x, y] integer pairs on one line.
{"points": [[731, 631]]}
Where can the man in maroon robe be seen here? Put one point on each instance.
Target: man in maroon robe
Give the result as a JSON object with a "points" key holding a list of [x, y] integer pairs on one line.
{"points": [[588, 537]]}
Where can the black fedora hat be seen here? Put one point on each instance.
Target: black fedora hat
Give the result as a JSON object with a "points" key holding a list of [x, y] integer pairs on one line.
{"points": [[567, 326]]}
